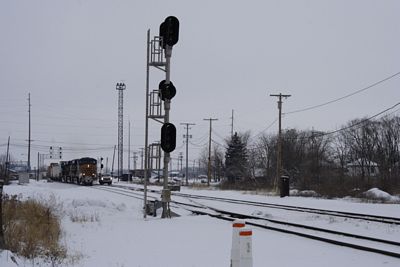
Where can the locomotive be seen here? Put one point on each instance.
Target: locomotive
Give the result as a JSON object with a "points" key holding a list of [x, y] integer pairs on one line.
{"points": [[79, 171]]}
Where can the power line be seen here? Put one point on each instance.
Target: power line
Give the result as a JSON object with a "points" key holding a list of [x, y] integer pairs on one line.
{"points": [[199, 139], [262, 131], [341, 129], [360, 122], [198, 145], [218, 135], [217, 143], [353, 125], [343, 97]]}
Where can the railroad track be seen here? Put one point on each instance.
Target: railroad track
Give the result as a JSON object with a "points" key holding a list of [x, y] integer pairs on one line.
{"points": [[377, 245], [374, 245], [343, 214], [117, 190], [350, 215]]}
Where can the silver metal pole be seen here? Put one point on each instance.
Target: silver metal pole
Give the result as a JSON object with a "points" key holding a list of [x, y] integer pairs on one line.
{"points": [[146, 135], [167, 106]]}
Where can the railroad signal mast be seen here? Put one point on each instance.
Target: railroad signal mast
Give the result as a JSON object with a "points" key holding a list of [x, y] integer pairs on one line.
{"points": [[158, 50]]}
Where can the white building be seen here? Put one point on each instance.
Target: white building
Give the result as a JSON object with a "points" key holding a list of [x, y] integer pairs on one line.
{"points": [[356, 168]]}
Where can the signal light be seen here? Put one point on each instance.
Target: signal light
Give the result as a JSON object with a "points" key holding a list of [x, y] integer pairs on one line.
{"points": [[166, 91], [162, 34], [168, 137], [169, 31], [120, 86]]}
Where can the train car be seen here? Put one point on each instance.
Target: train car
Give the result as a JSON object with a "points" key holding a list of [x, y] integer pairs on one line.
{"points": [[64, 171], [79, 171], [54, 171]]}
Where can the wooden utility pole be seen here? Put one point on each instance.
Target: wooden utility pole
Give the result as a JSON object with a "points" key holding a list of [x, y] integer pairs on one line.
{"points": [[129, 151], [187, 124], [6, 178], [112, 165], [232, 124], [29, 133], [209, 151], [279, 145], [38, 166], [2, 242]]}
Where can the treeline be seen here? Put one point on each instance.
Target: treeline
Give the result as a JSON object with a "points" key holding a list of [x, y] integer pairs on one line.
{"points": [[362, 154]]}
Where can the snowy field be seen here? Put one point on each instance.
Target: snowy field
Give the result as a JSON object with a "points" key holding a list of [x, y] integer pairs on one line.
{"points": [[114, 232]]}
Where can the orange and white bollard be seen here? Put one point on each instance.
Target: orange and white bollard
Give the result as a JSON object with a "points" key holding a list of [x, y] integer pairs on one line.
{"points": [[246, 247], [235, 250]]}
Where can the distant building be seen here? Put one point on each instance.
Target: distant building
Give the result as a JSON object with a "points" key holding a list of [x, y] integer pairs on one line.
{"points": [[258, 173], [19, 166], [363, 166]]}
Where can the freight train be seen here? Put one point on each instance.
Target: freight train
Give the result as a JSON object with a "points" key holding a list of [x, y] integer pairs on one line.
{"points": [[79, 171]]}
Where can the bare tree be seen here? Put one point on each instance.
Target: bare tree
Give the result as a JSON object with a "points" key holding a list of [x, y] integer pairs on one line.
{"points": [[387, 151], [4, 165], [362, 140], [217, 162], [318, 160]]}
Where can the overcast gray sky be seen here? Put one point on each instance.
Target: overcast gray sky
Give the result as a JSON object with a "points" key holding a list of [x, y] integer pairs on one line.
{"points": [[69, 54]]}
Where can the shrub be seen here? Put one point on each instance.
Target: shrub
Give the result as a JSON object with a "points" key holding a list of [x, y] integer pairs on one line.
{"points": [[32, 229]]}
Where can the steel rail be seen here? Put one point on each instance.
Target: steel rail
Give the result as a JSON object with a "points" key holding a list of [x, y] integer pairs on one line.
{"points": [[231, 216], [228, 217], [352, 215]]}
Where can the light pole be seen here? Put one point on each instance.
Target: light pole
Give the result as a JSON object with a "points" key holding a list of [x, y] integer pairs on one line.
{"points": [[120, 87]]}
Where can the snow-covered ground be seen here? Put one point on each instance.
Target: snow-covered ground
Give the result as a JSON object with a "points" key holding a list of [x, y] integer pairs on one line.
{"points": [[112, 232]]}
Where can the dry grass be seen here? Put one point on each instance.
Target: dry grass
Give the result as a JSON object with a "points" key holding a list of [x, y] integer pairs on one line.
{"points": [[198, 186], [32, 229]]}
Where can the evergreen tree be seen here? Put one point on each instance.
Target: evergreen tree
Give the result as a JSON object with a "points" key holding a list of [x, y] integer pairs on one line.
{"points": [[236, 159]]}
